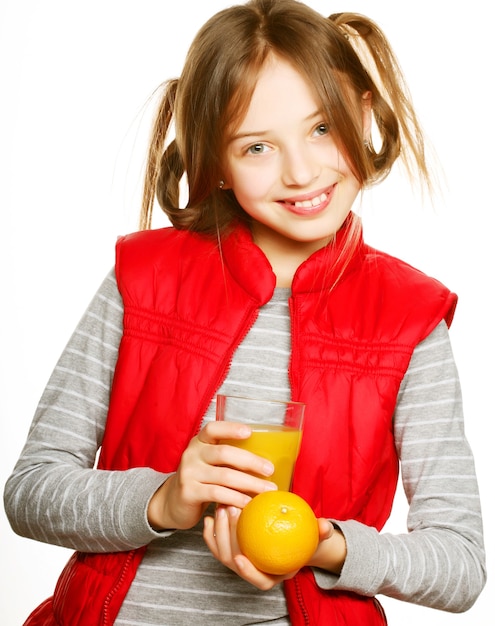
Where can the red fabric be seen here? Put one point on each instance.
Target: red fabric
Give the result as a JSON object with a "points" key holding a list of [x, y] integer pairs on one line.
{"points": [[42, 615], [186, 309], [341, 609]]}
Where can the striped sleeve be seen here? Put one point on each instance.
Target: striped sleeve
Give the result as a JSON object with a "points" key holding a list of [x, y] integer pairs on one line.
{"points": [[440, 561], [54, 494]]}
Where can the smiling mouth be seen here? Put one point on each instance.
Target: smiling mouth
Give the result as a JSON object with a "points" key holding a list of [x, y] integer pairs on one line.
{"points": [[310, 205]]}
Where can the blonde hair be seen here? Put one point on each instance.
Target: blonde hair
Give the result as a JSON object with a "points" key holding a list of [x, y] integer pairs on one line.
{"points": [[342, 57]]}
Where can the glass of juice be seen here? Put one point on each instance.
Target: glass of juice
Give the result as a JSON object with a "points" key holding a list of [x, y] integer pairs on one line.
{"points": [[276, 431]]}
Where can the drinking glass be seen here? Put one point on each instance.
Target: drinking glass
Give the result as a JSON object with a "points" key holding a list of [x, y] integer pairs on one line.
{"points": [[276, 431]]}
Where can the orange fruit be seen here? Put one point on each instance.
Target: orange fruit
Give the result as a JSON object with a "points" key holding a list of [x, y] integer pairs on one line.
{"points": [[278, 532]]}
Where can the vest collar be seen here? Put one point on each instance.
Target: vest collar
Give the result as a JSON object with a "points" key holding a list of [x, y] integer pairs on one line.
{"points": [[250, 267]]}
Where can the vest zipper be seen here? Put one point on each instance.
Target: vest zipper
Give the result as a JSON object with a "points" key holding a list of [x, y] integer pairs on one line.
{"points": [[293, 345], [225, 366], [293, 388], [104, 613], [300, 601]]}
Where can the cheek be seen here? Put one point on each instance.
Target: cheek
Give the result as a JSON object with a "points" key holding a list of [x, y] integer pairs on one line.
{"points": [[338, 162], [251, 185]]}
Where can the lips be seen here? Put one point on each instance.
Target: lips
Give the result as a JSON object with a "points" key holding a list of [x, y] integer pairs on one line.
{"points": [[309, 204]]}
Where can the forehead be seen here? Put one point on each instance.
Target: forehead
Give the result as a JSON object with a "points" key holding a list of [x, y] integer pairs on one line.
{"points": [[281, 95]]}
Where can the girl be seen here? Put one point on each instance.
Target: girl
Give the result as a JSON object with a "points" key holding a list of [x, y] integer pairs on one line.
{"points": [[262, 287]]}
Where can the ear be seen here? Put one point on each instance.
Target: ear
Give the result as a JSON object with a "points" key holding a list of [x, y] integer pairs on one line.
{"points": [[366, 110]]}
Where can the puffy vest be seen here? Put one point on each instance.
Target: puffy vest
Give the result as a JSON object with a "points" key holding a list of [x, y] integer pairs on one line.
{"points": [[187, 306]]}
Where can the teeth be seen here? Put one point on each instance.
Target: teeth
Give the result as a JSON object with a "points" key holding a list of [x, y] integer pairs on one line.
{"points": [[307, 204]]}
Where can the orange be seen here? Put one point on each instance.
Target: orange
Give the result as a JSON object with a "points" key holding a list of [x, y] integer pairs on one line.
{"points": [[278, 532]]}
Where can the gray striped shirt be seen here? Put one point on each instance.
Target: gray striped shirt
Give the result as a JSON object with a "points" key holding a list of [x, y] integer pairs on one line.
{"points": [[55, 495]]}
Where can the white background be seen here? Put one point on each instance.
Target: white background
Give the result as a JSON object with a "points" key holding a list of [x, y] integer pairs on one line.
{"points": [[74, 81]]}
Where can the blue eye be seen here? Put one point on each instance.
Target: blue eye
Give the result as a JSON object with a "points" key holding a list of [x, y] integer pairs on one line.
{"points": [[257, 148]]}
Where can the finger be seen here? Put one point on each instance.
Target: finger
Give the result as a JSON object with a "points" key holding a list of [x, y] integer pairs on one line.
{"points": [[217, 535], [224, 455], [238, 480], [325, 528], [223, 536], [234, 513], [224, 485], [259, 579], [213, 432], [209, 534], [233, 468]]}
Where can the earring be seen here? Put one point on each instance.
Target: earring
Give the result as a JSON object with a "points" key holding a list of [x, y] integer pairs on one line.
{"points": [[221, 184]]}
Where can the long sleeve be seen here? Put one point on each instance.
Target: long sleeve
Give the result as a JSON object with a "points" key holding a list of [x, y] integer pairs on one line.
{"points": [[440, 562], [54, 494]]}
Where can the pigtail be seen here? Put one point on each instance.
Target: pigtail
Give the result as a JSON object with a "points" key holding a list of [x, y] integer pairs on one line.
{"points": [[164, 167], [397, 123]]}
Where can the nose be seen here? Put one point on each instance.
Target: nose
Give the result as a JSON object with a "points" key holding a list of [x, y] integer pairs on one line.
{"points": [[299, 168]]}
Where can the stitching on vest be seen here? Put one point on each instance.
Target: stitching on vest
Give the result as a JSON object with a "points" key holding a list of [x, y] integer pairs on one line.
{"points": [[359, 344], [159, 340], [342, 366], [357, 357], [168, 322]]}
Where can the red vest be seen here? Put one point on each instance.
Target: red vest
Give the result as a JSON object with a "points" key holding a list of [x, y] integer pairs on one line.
{"points": [[186, 309]]}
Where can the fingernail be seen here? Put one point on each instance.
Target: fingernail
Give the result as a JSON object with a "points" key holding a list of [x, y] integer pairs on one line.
{"points": [[244, 431], [220, 512], [233, 511], [239, 561], [271, 487], [268, 468]]}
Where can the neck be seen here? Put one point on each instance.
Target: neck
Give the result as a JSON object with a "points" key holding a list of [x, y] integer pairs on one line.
{"points": [[285, 255]]}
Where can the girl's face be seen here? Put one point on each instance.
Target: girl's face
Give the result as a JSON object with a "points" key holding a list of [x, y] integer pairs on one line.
{"points": [[285, 169]]}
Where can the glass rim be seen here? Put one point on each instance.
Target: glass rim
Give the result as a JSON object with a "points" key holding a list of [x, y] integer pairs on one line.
{"points": [[293, 402]]}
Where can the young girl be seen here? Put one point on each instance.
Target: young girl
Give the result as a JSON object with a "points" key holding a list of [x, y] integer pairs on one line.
{"points": [[263, 287]]}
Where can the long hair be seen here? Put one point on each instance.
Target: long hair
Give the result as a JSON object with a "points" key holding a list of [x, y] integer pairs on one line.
{"points": [[342, 57]]}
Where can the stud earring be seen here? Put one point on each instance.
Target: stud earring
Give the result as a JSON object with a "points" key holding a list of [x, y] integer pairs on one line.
{"points": [[221, 184]]}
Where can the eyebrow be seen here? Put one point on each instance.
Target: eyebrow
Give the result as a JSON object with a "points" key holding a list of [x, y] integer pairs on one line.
{"points": [[263, 133]]}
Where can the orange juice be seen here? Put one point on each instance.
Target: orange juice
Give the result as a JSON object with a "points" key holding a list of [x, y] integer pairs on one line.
{"points": [[278, 444]]}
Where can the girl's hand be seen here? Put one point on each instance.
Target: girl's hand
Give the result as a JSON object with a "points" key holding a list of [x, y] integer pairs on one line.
{"points": [[220, 535], [331, 551], [209, 472]]}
